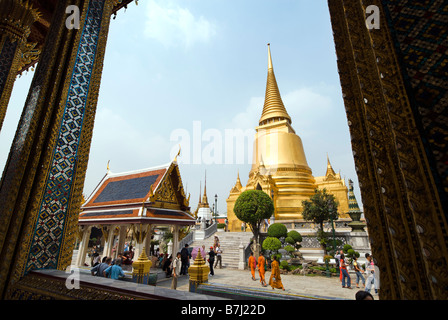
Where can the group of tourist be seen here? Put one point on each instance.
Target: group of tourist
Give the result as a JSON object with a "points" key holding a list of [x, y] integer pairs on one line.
{"points": [[108, 267], [372, 279]]}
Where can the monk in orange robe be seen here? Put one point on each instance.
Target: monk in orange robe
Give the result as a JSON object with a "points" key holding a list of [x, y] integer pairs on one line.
{"points": [[252, 264], [261, 270], [275, 281]]}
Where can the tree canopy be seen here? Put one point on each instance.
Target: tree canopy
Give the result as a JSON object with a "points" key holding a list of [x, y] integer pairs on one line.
{"points": [[252, 207], [321, 207]]}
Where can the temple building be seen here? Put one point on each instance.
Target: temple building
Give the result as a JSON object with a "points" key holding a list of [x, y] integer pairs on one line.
{"points": [[135, 202], [279, 165], [203, 211]]}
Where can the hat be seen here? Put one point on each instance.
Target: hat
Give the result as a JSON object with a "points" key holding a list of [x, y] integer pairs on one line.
{"points": [[211, 247]]}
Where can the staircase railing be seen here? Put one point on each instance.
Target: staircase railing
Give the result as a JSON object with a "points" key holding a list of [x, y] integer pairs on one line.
{"points": [[188, 239], [210, 230]]}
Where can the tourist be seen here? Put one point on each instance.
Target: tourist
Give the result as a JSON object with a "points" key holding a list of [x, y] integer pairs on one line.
{"points": [[98, 269], [252, 264], [218, 256], [215, 242], [211, 260], [261, 269], [337, 257], [227, 225], [114, 271], [345, 274], [370, 271], [363, 295], [276, 281], [96, 259], [185, 259], [119, 257], [167, 266], [358, 272], [177, 265]]}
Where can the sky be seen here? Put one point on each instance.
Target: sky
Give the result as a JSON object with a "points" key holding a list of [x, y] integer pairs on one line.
{"points": [[185, 72]]}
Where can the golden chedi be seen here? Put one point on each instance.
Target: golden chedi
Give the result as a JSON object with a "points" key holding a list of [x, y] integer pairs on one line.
{"points": [[279, 165]]}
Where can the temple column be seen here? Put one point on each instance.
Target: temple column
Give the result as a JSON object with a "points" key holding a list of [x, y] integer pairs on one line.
{"points": [[148, 241], [43, 179], [175, 239], [82, 251], [121, 240], [108, 233], [16, 18]]}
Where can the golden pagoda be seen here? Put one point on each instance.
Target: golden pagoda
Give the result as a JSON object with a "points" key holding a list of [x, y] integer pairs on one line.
{"points": [[279, 165]]}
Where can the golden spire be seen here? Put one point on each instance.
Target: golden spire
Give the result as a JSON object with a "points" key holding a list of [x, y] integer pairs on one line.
{"points": [[273, 105], [238, 181], [204, 197], [330, 170], [200, 190]]}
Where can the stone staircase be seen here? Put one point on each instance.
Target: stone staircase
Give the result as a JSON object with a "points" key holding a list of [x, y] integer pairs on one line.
{"points": [[229, 243]]}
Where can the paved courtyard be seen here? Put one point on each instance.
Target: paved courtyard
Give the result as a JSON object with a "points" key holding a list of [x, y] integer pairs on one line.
{"points": [[294, 284]]}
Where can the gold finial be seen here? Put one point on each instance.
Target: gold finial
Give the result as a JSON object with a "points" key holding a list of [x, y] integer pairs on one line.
{"points": [[178, 153], [108, 169], [269, 57]]}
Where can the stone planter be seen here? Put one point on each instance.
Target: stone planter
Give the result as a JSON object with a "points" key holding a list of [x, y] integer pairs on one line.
{"points": [[356, 224], [355, 216]]}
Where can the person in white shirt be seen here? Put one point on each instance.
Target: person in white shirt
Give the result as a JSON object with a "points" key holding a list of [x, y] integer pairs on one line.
{"points": [[218, 256], [177, 265]]}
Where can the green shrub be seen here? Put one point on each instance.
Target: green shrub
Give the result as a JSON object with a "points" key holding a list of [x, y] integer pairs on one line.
{"points": [[271, 243], [221, 225], [284, 265], [277, 230], [333, 270], [346, 248], [295, 235], [290, 240]]}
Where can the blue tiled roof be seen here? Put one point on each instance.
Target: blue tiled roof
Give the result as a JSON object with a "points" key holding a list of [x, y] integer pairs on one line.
{"points": [[107, 213], [136, 188]]}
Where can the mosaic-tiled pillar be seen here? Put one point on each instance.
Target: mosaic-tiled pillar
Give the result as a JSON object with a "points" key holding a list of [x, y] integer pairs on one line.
{"points": [[41, 187], [16, 18], [393, 81]]}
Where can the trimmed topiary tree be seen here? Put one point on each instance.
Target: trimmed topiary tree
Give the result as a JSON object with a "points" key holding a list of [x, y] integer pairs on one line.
{"points": [[253, 207], [277, 230], [271, 244]]}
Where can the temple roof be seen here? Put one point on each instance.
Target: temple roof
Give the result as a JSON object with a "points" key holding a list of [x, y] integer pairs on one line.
{"points": [[126, 187], [330, 172], [273, 105], [152, 195]]}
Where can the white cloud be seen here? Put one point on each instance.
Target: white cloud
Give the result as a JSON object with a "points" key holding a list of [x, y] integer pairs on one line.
{"points": [[172, 25], [305, 106]]}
